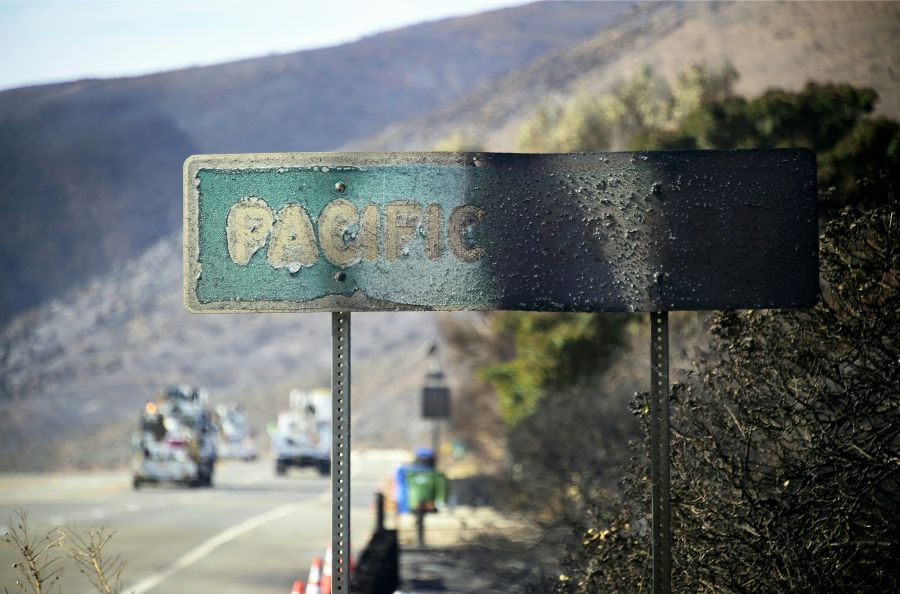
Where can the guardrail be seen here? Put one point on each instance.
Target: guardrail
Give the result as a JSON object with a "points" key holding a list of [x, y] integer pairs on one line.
{"points": [[378, 568]]}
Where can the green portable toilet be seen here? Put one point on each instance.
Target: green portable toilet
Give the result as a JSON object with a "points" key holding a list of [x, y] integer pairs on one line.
{"points": [[426, 488]]}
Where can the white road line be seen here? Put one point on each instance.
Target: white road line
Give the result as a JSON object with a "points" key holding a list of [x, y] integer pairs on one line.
{"points": [[208, 546], [213, 543]]}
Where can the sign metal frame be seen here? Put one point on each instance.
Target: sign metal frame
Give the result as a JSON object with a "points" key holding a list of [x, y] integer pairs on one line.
{"points": [[643, 231]]}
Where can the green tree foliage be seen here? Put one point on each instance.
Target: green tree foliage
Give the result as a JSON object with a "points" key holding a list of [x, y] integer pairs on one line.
{"points": [[564, 429], [549, 371], [858, 155], [785, 441], [552, 352], [456, 141], [579, 125], [863, 166], [643, 110]]}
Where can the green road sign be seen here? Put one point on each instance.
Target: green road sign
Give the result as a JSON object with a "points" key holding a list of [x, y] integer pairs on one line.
{"points": [[569, 232]]}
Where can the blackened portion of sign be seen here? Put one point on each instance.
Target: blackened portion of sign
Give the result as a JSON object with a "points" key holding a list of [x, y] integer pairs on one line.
{"points": [[571, 232], [661, 231]]}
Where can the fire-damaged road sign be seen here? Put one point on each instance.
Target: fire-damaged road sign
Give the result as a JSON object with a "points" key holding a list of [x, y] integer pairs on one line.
{"points": [[654, 231], [647, 231]]}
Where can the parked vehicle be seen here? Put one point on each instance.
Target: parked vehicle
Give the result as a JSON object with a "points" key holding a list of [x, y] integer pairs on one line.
{"points": [[176, 441], [236, 438], [303, 434]]}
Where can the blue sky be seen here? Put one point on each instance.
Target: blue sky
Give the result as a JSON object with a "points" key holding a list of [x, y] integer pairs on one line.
{"points": [[48, 41]]}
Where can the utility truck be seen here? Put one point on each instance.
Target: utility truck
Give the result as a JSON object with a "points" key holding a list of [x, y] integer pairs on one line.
{"points": [[236, 438], [176, 440], [302, 435]]}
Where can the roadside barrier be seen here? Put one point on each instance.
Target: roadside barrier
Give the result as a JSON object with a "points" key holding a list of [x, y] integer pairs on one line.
{"points": [[379, 565], [378, 570]]}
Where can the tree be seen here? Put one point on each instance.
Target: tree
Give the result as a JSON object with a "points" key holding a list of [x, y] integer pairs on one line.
{"points": [[785, 449], [786, 434], [640, 111], [456, 141], [858, 156], [553, 352], [547, 366]]}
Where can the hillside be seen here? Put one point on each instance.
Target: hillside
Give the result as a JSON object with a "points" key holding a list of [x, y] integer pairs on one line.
{"points": [[90, 186], [90, 170], [75, 373], [781, 44]]}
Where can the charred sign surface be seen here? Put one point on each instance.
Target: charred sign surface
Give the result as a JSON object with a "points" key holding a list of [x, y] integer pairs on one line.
{"points": [[646, 231]]}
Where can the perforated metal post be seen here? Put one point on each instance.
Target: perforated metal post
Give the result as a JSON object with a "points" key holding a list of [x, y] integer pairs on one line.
{"points": [[659, 452], [340, 452]]}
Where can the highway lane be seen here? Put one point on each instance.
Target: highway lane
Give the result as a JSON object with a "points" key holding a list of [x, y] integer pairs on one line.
{"points": [[252, 532]]}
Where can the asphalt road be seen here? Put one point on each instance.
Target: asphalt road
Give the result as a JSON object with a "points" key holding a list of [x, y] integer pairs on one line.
{"points": [[251, 532]]}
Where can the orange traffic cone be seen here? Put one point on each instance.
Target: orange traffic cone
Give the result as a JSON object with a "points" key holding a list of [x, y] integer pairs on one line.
{"points": [[326, 575], [314, 583], [299, 587]]}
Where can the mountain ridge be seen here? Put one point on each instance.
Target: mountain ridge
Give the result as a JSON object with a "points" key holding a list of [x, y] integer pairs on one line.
{"points": [[781, 44], [136, 131]]}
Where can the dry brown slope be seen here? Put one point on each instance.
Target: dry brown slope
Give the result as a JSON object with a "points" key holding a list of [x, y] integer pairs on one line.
{"points": [[780, 44], [75, 372]]}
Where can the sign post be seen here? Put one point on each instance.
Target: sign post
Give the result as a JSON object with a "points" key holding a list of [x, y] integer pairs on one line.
{"points": [[435, 398], [340, 451], [661, 521], [589, 232]]}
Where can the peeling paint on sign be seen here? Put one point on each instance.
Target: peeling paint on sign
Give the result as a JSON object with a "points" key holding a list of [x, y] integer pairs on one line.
{"points": [[569, 232]]}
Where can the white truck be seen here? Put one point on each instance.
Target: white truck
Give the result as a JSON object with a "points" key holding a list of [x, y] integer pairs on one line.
{"points": [[302, 436], [236, 438], [176, 441]]}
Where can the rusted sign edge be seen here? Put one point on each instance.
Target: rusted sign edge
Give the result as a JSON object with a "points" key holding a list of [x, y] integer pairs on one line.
{"points": [[359, 301]]}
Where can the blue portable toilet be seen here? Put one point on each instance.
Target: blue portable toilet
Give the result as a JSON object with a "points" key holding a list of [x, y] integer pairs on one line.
{"points": [[423, 464]]}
